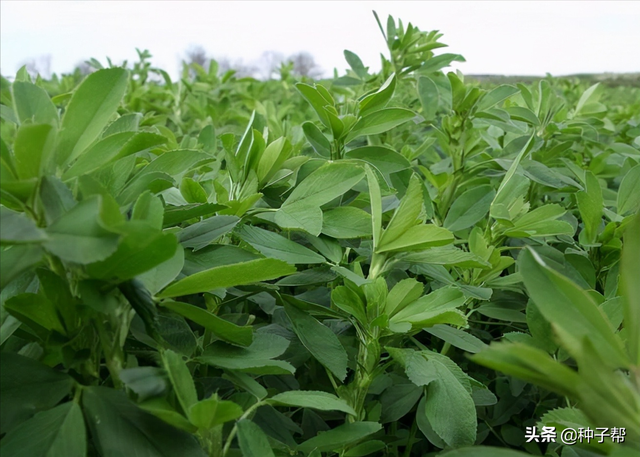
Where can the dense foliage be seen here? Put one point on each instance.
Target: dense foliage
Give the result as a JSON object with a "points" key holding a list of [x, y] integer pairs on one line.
{"points": [[400, 263]]}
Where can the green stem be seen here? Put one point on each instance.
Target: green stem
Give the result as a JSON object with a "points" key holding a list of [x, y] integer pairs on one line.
{"points": [[112, 357], [213, 438], [368, 359], [377, 265], [412, 434], [232, 435]]}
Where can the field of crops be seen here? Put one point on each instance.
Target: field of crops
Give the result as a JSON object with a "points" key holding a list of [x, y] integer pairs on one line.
{"points": [[398, 264]]}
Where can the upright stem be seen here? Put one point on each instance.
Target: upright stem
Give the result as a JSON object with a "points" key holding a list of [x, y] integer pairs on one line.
{"points": [[412, 434], [368, 359], [112, 356], [377, 264], [213, 439], [233, 432]]}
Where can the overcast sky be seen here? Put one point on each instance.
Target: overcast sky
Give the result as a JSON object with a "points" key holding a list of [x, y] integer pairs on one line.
{"points": [[512, 38]]}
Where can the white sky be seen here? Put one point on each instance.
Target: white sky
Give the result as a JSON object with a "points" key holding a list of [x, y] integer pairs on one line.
{"points": [[513, 38]]}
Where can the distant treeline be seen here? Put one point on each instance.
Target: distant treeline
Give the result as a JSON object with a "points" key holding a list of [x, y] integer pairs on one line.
{"points": [[607, 79]]}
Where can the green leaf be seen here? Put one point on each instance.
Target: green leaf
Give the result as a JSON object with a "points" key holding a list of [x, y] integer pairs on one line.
{"points": [[109, 413], [252, 440], [519, 113], [366, 448], [629, 192], [339, 437], [319, 340], [438, 62], [32, 149], [145, 382], [215, 256], [591, 95], [380, 98], [162, 274], [91, 107], [406, 215], [320, 275], [125, 123], [139, 251], [469, 208], [540, 222], [630, 287], [416, 366], [483, 451], [18, 228], [386, 160], [161, 409], [176, 163], [223, 329], [312, 399], [590, 204], [572, 310], [272, 159], [540, 328], [153, 181], [450, 408], [418, 238], [276, 246], [446, 255], [399, 400], [316, 100], [495, 311], [247, 383], [302, 209], [425, 427], [173, 215], [192, 191], [530, 364], [256, 358], [350, 302], [149, 208], [336, 124], [300, 216], [495, 96], [33, 104], [506, 190], [111, 148], [380, 122], [438, 307], [17, 259], [375, 200], [403, 293], [355, 63], [211, 412], [202, 233], [346, 222], [429, 97], [60, 432], [169, 166], [316, 139], [139, 299], [32, 308], [56, 198], [79, 235], [562, 418], [207, 139], [229, 276], [26, 387], [180, 378], [457, 338], [8, 115]]}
